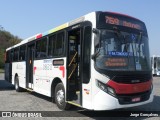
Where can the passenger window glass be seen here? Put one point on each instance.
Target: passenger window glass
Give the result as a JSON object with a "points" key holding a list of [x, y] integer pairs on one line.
{"points": [[56, 45], [22, 53], [41, 48], [16, 52], [59, 44]]}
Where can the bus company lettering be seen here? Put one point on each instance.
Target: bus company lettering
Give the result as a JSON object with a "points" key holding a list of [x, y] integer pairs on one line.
{"points": [[47, 66], [47, 61], [19, 66]]}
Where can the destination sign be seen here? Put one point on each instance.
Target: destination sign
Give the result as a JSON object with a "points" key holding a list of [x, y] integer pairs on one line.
{"points": [[106, 19], [116, 62], [116, 21]]}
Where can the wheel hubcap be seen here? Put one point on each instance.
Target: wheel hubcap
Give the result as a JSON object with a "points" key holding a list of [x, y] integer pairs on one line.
{"points": [[60, 97]]}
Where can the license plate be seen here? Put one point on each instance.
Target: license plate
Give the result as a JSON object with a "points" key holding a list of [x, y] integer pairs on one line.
{"points": [[136, 99]]}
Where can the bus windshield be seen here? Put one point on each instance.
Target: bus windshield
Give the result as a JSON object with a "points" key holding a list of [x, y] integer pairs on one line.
{"points": [[120, 50]]}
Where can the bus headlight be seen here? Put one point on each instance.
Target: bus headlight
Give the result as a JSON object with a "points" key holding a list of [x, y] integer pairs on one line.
{"points": [[106, 88]]}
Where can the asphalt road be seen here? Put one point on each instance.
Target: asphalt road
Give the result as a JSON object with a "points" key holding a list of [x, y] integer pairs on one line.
{"points": [[10, 100]]}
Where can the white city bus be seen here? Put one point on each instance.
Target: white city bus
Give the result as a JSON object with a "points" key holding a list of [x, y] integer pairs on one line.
{"points": [[155, 61], [99, 61]]}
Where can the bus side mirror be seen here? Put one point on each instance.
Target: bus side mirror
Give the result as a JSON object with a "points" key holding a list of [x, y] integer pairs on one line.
{"points": [[96, 37], [93, 57]]}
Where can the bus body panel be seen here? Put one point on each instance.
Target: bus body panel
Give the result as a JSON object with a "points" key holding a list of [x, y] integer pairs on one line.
{"points": [[19, 69], [103, 101], [44, 73]]}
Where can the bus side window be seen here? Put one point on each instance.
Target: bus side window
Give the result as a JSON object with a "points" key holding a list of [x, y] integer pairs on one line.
{"points": [[16, 54], [22, 53], [11, 56], [41, 48], [59, 44], [7, 58], [56, 45], [52, 45]]}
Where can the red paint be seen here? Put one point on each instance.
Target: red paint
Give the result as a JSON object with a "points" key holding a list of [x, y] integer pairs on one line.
{"points": [[34, 70], [130, 88], [86, 90], [63, 70], [38, 36]]}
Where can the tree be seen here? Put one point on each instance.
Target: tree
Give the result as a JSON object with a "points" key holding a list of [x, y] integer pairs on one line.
{"points": [[6, 40]]}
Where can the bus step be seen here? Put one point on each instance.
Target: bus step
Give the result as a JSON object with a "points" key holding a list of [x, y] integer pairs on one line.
{"points": [[29, 89], [74, 103], [75, 99]]}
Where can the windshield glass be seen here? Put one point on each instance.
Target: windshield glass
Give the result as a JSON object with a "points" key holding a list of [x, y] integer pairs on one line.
{"points": [[119, 50]]}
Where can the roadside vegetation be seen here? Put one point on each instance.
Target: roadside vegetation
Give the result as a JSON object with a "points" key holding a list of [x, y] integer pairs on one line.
{"points": [[6, 40]]}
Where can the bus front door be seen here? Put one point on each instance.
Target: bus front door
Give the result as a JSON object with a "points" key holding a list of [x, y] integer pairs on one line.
{"points": [[29, 70], [79, 66], [73, 80]]}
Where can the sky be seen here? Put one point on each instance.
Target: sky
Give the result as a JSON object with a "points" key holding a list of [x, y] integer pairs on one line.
{"points": [[25, 18]]}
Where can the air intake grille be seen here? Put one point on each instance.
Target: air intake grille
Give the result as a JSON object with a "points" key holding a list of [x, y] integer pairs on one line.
{"points": [[127, 99], [132, 79]]}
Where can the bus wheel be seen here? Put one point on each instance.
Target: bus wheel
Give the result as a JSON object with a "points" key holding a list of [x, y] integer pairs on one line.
{"points": [[17, 88], [60, 97]]}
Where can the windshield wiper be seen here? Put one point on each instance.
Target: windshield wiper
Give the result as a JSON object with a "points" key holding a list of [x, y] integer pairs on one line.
{"points": [[122, 40], [117, 32], [139, 40]]}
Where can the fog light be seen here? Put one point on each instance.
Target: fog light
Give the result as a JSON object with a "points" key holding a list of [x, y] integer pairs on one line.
{"points": [[102, 86], [111, 90], [106, 88]]}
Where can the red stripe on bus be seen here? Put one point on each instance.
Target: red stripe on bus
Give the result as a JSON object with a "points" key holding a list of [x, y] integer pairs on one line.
{"points": [[34, 70], [63, 70], [130, 88], [39, 36]]}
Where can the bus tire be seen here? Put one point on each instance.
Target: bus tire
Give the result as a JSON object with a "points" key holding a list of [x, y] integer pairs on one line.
{"points": [[17, 87], [60, 97]]}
